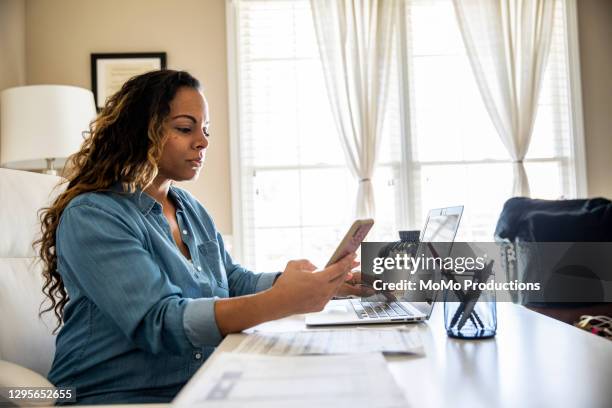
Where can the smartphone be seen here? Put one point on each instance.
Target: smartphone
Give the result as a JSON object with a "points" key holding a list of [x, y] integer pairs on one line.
{"points": [[351, 240]]}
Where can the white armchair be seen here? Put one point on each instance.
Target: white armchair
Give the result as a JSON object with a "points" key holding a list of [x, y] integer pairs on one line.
{"points": [[27, 344]]}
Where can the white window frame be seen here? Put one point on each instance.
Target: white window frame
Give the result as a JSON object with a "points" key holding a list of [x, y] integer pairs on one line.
{"points": [[233, 73], [575, 95]]}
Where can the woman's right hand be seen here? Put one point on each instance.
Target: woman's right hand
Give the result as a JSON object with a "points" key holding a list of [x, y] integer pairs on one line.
{"points": [[299, 289]]}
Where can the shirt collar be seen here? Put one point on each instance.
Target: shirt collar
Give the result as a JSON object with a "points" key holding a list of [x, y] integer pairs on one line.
{"points": [[145, 202], [176, 196]]}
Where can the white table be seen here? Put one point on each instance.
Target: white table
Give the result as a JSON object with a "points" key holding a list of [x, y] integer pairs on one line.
{"points": [[534, 361]]}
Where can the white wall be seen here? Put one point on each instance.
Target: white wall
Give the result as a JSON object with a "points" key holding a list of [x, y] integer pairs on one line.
{"points": [[12, 43], [595, 36]]}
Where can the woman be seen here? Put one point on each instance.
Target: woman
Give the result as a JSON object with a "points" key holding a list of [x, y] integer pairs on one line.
{"points": [[135, 268]]}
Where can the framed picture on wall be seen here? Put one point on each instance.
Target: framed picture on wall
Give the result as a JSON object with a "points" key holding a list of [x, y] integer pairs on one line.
{"points": [[110, 71]]}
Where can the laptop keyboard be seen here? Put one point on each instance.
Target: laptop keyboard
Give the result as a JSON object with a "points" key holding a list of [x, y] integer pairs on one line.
{"points": [[367, 310]]}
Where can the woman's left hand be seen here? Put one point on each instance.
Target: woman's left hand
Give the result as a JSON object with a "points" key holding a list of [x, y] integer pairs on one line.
{"points": [[353, 286]]}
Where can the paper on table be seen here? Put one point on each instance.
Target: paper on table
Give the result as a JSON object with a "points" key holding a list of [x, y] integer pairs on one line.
{"points": [[342, 341], [236, 380]]}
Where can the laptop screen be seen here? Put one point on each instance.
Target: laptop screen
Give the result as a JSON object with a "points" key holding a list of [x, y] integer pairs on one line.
{"points": [[442, 224], [441, 228]]}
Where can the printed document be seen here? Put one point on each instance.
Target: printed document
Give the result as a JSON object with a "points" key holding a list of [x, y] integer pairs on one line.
{"points": [[342, 341], [239, 380]]}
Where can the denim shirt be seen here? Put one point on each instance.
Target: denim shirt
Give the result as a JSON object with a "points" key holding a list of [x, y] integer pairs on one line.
{"points": [[140, 320]]}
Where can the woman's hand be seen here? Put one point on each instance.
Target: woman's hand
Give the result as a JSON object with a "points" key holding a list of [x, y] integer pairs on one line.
{"points": [[355, 287], [299, 289]]}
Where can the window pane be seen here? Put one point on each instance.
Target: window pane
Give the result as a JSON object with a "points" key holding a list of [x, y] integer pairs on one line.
{"points": [[551, 132], [277, 198], [276, 29], [545, 179], [269, 123], [274, 247], [319, 243], [450, 121], [287, 119], [481, 188], [319, 142], [327, 196], [386, 185], [433, 28]]}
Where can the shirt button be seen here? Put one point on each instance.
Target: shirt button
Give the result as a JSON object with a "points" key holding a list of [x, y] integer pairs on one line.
{"points": [[184, 232], [200, 268], [197, 356]]}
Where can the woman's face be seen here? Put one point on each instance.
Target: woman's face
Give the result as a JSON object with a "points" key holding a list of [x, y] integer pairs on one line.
{"points": [[186, 132]]}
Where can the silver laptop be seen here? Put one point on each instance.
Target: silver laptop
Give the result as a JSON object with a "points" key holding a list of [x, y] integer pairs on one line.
{"points": [[441, 226]]}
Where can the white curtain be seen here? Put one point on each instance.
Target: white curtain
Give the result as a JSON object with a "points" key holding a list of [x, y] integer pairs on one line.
{"points": [[507, 43], [355, 44]]}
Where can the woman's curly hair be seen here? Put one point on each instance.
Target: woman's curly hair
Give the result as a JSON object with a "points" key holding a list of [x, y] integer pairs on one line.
{"points": [[124, 144]]}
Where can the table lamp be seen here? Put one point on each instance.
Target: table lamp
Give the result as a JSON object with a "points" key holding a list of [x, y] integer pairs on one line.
{"points": [[41, 125]]}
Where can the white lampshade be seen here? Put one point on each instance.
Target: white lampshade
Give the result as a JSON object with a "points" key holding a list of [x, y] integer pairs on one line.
{"points": [[42, 122]]}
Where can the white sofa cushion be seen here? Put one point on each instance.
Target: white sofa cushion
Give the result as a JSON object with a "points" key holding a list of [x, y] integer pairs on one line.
{"points": [[25, 339], [13, 376]]}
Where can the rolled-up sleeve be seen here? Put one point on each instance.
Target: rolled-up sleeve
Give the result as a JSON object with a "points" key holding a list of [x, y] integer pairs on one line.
{"points": [[107, 260], [200, 322], [266, 280]]}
